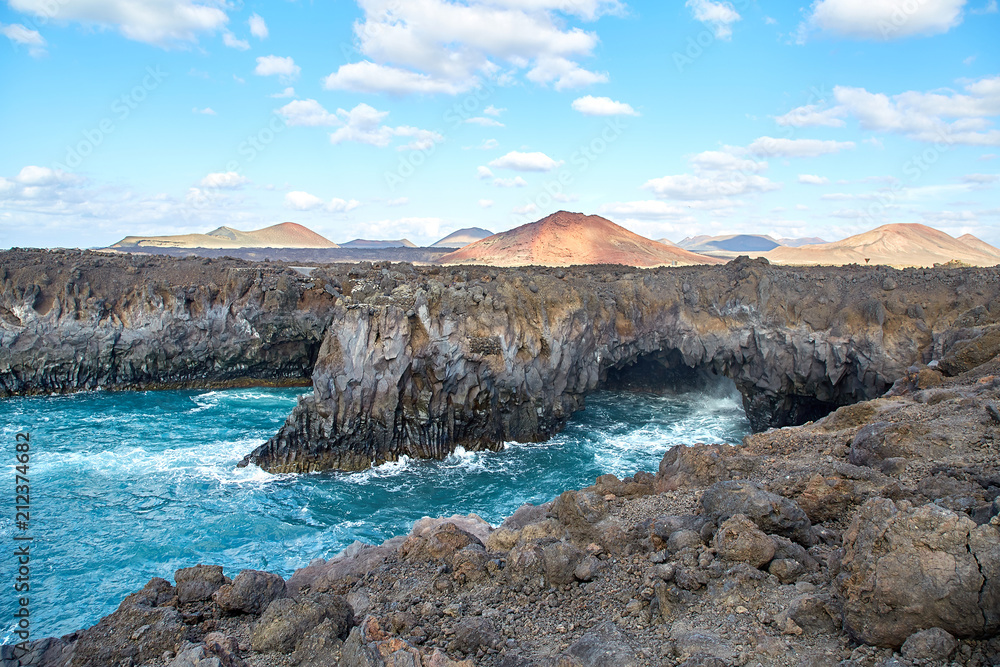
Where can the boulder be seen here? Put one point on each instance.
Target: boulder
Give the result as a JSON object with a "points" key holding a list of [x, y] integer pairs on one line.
{"points": [[196, 584], [772, 513], [826, 499], [739, 539], [695, 466], [474, 633], [933, 644], [910, 569], [194, 655], [561, 560], [440, 542], [250, 593], [286, 621], [603, 646], [579, 511]]}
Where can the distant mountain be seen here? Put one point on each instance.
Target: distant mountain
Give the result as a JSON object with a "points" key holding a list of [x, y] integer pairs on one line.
{"points": [[565, 239], [733, 243], [979, 244], [894, 245], [365, 243], [284, 235], [463, 237], [798, 243]]}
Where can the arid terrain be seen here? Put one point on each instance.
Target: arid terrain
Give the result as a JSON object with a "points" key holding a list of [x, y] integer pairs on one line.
{"points": [[284, 235]]}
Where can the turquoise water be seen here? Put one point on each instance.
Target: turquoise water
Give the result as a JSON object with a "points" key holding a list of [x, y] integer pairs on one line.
{"points": [[128, 486]]}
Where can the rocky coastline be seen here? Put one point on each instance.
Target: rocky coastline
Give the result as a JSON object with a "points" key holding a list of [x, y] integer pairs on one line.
{"points": [[869, 538], [866, 536]]}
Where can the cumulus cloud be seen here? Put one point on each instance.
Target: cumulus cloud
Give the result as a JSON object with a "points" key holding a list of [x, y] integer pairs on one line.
{"points": [[881, 19], [602, 106], [446, 46], [229, 180], [484, 172], [770, 146], [207, 111], [810, 179], [726, 160], [287, 92], [34, 176], [493, 111], [23, 36], [363, 124], [652, 209], [939, 116], [720, 16], [526, 162], [694, 187], [298, 200], [484, 121], [230, 40], [308, 113], [284, 67], [812, 115], [162, 23], [258, 28]]}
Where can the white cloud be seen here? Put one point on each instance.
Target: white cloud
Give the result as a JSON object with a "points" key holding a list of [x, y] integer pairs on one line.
{"points": [[485, 122], [44, 176], [230, 40], [207, 111], [493, 111], [277, 65], [258, 28], [940, 116], [810, 179], [812, 116], [159, 22], [485, 203], [487, 145], [770, 146], [526, 162], [445, 46], [881, 19], [368, 77], [363, 124], [287, 92], [399, 201], [516, 182], [726, 160], [692, 187], [19, 34], [229, 180], [526, 209], [298, 200], [308, 113], [981, 179], [484, 172], [602, 106], [720, 16]]}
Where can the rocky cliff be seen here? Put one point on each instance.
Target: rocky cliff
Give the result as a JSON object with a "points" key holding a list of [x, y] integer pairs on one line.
{"points": [[417, 363], [72, 320]]}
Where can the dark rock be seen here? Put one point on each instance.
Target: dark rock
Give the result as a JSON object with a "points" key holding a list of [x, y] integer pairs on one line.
{"points": [[197, 583], [561, 560], [250, 593], [786, 570], [905, 570], [772, 513], [194, 655], [739, 539], [934, 645], [225, 648], [603, 646], [286, 621], [471, 634]]}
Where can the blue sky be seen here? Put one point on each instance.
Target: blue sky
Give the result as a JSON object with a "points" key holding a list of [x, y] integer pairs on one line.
{"points": [[413, 118]]}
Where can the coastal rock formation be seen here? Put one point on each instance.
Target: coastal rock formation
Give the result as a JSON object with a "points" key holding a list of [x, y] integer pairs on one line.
{"points": [[904, 574], [417, 365], [72, 320]]}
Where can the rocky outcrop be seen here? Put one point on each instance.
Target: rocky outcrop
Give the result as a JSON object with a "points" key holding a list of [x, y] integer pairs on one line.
{"points": [[483, 356], [417, 361], [73, 320]]}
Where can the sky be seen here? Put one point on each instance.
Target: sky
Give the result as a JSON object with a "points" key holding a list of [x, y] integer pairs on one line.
{"points": [[385, 119]]}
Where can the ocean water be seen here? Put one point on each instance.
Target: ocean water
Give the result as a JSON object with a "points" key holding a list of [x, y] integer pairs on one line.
{"points": [[128, 486]]}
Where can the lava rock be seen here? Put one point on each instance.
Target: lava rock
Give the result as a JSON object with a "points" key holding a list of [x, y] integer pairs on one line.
{"points": [[739, 539], [250, 593], [772, 513], [934, 644], [198, 583]]}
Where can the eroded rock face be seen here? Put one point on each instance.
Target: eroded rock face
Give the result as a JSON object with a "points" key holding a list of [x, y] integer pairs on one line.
{"points": [[476, 358], [914, 569]]}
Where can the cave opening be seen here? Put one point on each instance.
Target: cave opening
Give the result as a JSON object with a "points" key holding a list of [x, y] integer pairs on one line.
{"points": [[664, 372]]}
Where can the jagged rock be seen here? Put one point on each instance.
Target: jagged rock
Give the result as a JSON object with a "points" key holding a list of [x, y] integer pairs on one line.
{"points": [[813, 614], [934, 645], [250, 593], [225, 648], [785, 569], [471, 634], [197, 583], [561, 560], [141, 629], [319, 647], [695, 466], [440, 542], [286, 621], [703, 644], [772, 513], [683, 539], [966, 355], [739, 539], [910, 569], [602, 646], [663, 527]]}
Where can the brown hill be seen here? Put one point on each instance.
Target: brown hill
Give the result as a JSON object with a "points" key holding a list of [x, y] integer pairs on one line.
{"points": [[894, 245], [565, 239], [284, 235], [979, 244]]}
